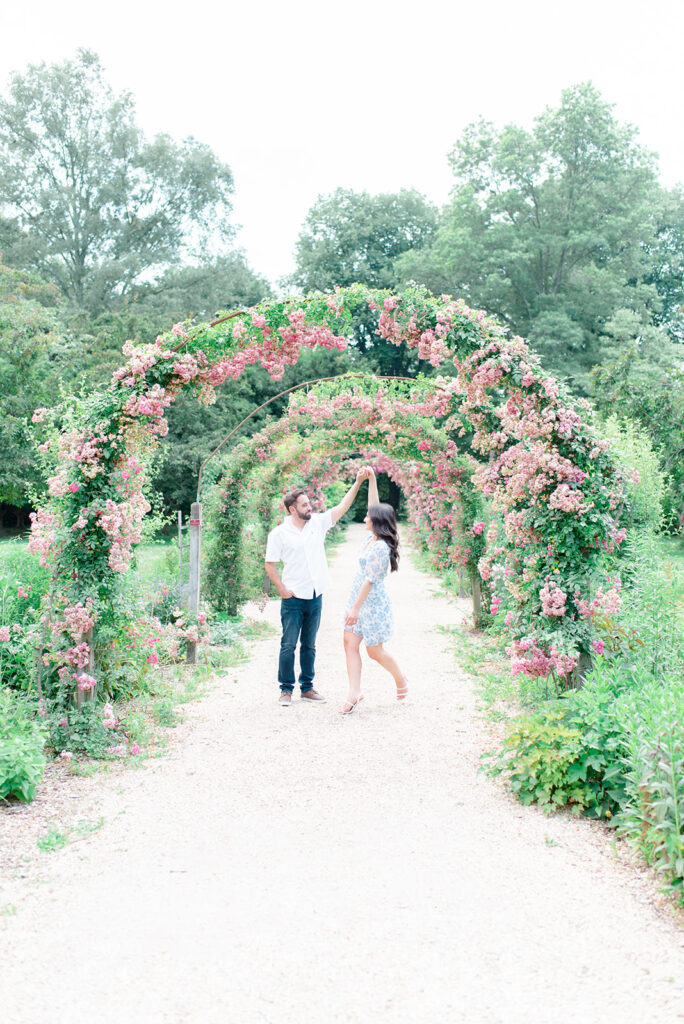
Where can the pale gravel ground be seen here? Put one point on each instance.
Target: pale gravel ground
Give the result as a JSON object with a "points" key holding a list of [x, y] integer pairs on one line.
{"points": [[292, 866]]}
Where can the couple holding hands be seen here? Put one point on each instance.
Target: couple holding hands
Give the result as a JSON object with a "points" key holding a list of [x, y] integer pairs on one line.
{"points": [[299, 543]]}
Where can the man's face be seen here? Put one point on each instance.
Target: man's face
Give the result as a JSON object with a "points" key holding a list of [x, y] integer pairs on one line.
{"points": [[302, 508]]}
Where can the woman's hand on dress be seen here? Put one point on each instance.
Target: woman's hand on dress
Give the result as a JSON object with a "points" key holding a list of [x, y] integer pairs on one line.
{"points": [[352, 617]]}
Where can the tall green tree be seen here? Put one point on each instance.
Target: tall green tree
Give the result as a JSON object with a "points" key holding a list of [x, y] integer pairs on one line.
{"points": [[553, 230], [354, 236], [35, 351], [86, 199]]}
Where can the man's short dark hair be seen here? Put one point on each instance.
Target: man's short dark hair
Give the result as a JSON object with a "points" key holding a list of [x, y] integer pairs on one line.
{"points": [[291, 497]]}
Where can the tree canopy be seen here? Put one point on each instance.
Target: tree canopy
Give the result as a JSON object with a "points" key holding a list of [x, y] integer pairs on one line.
{"points": [[87, 200], [555, 229], [354, 236]]}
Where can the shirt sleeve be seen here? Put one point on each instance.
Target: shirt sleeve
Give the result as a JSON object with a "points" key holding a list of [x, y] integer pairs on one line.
{"points": [[274, 546], [325, 521], [377, 562]]}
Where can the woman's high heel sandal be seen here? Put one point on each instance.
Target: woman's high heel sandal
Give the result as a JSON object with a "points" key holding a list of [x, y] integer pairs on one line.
{"points": [[350, 706], [402, 691]]}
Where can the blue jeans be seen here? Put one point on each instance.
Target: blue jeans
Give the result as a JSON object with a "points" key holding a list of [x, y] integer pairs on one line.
{"points": [[300, 619]]}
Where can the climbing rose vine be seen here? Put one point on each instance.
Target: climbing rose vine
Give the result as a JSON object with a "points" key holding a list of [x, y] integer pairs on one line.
{"points": [[557, 500]]}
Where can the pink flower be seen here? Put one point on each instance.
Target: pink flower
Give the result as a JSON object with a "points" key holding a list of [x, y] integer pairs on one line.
{"points": [[62, 723], [135, 750], [74, 487], [598, 646], [38, 415], [21, 592], [118, 751], [85, 682], [4, 633], [66, 755], [478, 527], [153, 658]]}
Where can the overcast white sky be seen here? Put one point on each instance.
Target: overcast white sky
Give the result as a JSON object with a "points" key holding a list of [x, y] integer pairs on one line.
{"points": [[301, 97]]}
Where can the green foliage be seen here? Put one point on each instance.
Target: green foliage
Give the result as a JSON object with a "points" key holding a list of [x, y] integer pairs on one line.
{"points": [[616, 747], [652, 718], [650, 393], [22, 742], [553, 230], [567, 753], [80, 730], [95, 203], [351, 237]]}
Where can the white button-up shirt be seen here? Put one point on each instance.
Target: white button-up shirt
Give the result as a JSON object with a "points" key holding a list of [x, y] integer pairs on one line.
{"points": [[302, 552]]}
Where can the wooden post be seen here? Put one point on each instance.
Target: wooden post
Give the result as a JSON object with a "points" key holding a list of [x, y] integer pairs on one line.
{"points": [[180, 543], [477, 597], [195, 555], [82, 696], [582, 670]]}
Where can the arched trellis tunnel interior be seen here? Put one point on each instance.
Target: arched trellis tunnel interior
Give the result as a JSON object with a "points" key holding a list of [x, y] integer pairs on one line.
{"points": [[556, 500]]}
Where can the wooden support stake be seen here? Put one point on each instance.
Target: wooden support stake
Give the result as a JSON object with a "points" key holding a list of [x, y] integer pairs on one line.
{"points": [[195, 527], [477, 598]]}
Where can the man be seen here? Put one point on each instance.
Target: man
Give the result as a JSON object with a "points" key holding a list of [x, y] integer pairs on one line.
{"points": [[299, 543]]}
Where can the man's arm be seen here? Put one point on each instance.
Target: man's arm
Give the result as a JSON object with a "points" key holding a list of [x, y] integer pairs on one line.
{"points": [[338, 511], [275, 579]]}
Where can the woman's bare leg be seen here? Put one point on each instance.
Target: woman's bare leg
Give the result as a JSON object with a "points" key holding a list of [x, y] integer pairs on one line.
{"points": [[384, 658], [352, 642]]}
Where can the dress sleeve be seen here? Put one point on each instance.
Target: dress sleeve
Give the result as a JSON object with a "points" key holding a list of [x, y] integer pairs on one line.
{"points": [[377, 562]]}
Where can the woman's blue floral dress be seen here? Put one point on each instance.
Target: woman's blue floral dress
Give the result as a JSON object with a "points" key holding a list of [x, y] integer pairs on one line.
{"points": [[375, 623]]}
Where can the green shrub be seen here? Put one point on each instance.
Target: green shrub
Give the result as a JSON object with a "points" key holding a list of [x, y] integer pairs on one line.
{"points": [[569, 752], [22, 741], [81, 730], [653, 722]]}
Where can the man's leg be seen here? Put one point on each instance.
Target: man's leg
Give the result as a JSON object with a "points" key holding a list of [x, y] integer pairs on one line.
{"points": [[311, 620], [291, 619]]}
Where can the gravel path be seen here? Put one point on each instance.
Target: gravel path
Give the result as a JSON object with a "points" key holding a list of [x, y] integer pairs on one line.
{"points": [[292, 866]]}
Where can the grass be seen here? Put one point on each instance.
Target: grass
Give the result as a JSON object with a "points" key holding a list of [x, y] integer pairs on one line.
{"points": [[57, 839]]}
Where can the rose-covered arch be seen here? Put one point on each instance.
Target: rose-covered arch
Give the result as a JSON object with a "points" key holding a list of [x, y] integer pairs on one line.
{"points": [[551, 481], [321, 440]]}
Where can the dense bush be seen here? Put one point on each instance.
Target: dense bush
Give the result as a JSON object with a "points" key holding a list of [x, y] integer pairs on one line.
{"points": [[569, 752], [22, 741], [615, 749], [652, 721]]}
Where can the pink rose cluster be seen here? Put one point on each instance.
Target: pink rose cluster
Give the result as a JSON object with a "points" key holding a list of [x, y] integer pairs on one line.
{"points": [[553, 600]]}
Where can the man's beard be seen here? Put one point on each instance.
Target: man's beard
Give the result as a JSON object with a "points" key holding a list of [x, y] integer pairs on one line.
{"points": [[306, 516]]}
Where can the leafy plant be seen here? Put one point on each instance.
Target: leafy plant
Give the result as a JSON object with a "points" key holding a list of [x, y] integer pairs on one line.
{"points": [[22, 741]]}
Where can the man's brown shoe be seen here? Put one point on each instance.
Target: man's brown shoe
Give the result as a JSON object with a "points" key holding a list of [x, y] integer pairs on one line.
{"points": [[313, 696], [285, 698]]}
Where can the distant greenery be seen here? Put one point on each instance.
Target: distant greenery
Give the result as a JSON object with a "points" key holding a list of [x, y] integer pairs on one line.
{"points": [[558, 231]]}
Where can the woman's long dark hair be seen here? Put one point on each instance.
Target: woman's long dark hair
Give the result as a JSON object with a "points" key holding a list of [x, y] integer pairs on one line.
{"points": [[384, 523]]}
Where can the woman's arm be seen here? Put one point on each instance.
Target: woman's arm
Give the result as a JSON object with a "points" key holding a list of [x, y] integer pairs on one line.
{"points": [[353, 616], [373, 498], [338, 511]]}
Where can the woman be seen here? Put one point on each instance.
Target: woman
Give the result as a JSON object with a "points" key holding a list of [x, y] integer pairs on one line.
{"points": [[369, 612]]}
